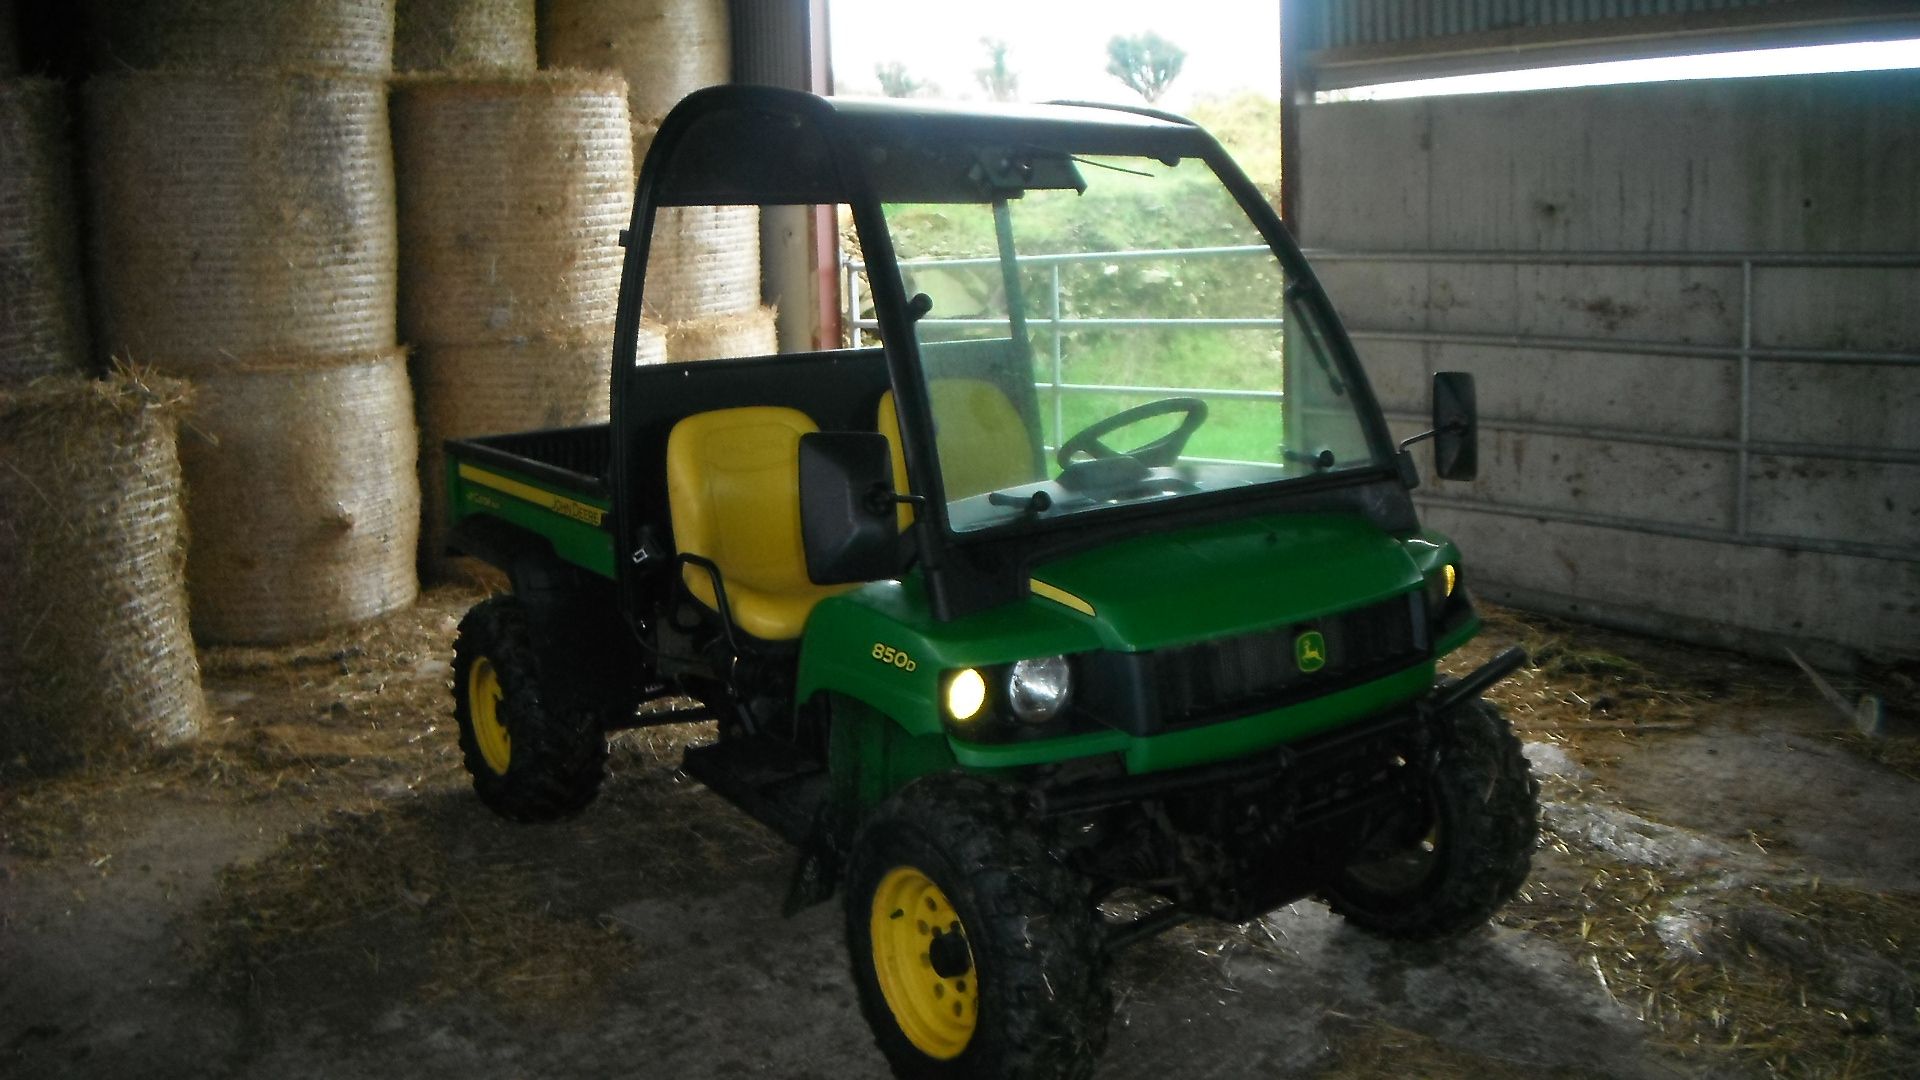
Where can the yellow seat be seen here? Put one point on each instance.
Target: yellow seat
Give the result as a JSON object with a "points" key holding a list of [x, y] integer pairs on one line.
{"points": [[733, 488], [984, 445]]}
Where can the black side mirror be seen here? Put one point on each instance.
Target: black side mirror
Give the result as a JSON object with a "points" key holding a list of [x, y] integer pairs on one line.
{"points": [[1456, 430], [847, 520]]}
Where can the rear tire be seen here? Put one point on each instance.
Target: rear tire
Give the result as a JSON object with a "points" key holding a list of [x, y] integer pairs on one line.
{"points": [[531, 757], [1482, 821], [998, 969]]}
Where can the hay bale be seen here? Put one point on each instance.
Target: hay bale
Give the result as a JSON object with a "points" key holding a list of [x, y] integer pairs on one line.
{"points": [[722, 337], [350, 37], [94, 651], [703, 261], [302, 496], [241, 216], [666, 49], [42, 314], [469, 390], [513, 193], [474, 36]]}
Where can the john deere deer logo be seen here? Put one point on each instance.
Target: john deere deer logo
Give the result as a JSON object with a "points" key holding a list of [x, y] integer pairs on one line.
{"points": [[1310, 651]]}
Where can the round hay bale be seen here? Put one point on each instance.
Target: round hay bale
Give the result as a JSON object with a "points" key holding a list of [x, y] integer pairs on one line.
{"points": [[352, 37], [470, 390], [666, 49], [241, 216], [723, 337], [94, 650], [302, 496], [513, 193], [42, 312], [703, 261], [473, 36]]}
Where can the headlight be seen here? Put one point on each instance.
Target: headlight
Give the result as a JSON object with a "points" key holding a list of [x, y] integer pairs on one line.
{"points": [[966, 692], [1038, 689], [1440, 585]]}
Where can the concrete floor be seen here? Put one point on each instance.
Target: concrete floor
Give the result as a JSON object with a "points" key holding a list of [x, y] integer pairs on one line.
{"points": [[144, 915]]}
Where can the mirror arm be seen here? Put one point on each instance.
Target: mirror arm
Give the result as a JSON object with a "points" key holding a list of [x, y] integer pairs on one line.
{"points": [[882, 498], [1458, 427]]}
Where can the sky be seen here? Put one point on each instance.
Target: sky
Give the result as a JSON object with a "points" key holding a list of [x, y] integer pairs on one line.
{"points": [[1058, 48]]}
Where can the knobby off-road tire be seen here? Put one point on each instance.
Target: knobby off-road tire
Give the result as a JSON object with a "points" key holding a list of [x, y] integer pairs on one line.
{"points": [[531, 759], [1021, 992], [1483, 823]]}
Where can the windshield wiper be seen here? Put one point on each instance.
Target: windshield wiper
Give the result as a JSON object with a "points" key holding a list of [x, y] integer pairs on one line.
{"points": [[1317, 344], [1032, 505], [1322, 460]]}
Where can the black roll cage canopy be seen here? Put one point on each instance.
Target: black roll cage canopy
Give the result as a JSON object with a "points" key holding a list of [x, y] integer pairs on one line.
{"points": [[766, 146]]}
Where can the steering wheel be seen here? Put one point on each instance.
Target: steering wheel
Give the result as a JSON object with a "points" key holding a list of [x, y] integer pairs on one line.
{"points": [[1163, 451]]}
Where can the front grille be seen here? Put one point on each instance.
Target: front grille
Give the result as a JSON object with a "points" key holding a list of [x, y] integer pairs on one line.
{"points": [[1213, 679]]}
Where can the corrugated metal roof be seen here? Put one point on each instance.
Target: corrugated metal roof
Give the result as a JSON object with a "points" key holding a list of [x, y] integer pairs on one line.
{"points": [[1334, 24]]}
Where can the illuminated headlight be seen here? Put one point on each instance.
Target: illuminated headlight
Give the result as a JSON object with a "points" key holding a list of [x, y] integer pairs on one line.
{"points": [[1440, 586], [1038, 689], [966, 692]]}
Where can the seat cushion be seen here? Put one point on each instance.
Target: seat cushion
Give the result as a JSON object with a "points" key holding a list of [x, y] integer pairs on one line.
{"points": [[733, 490], [984, 445]]}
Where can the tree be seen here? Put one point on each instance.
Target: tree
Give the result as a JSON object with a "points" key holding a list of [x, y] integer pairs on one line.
{"points": [[997, 79], [1148, 63], [895, 82]]}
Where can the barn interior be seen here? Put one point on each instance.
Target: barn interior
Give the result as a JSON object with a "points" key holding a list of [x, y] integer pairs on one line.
{"points": [[259, 263]]}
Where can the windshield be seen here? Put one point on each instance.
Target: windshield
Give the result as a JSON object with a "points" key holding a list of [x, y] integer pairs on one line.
{"points": [[1129, 342]]}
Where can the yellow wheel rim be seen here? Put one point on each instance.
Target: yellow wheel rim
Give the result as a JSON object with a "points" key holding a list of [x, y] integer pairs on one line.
{"points": [[913, 924], [483, 708]]}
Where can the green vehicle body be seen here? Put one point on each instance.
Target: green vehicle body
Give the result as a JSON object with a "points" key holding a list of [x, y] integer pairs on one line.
{"points": [[1214, 581]]}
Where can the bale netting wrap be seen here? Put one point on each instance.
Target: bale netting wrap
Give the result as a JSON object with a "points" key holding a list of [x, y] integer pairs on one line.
{"points": [[722, 337], [471, 390], [240, 216], [513, 193], [42, 313], [302, 496], [351, 37], [472, 36], [667, 49], [94, 650], [703, 261]]}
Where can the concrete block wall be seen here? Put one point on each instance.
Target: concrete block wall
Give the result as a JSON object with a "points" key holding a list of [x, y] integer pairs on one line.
{"points": [[1581, 251]]}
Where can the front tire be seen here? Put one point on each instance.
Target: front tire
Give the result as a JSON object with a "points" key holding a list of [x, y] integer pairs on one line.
{"points": [[531, 757], [975, 953], [1468, 848]]}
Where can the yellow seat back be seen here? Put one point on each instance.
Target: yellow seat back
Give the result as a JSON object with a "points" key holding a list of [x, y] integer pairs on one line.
{"points": [[984, 445], [733, 489]]}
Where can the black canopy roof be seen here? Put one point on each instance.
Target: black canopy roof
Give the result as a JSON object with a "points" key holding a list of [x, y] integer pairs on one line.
{"points": [[757, 144]]}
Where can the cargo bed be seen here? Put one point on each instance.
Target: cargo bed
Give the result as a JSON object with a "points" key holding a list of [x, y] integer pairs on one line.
{"points": [[552, 483]]}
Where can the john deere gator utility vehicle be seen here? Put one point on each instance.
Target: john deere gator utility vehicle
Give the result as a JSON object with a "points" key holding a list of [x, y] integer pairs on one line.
{"points": [[1090, 600]]}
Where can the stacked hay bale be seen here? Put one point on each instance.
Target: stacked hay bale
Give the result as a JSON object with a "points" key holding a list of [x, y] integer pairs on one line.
{"points": [[472, 36], [94, 649], [513, 192], [353, 37], [666, 49], [42, 316], [245, 239], [703, 264]]}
